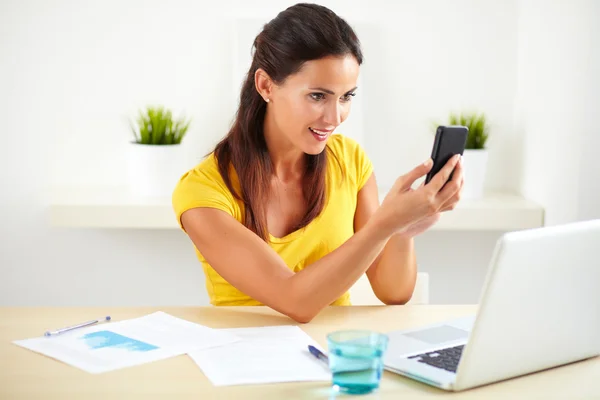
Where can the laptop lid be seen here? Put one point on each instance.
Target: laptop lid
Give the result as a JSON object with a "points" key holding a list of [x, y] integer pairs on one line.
{"points": [[540, 306]]}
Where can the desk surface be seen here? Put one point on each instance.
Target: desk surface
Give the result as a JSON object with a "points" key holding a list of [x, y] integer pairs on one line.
{"points": [[26, 375]]}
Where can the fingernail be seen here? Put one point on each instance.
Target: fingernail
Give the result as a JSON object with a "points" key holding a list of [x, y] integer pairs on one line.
{"points": [[428, 162]]}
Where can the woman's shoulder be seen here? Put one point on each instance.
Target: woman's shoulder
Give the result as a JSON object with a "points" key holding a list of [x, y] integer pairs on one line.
{"points": [[204, 172], [342, 145], [203, 186], [353, 159]]}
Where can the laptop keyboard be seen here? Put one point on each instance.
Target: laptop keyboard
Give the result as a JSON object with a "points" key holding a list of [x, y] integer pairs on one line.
{"points": [[445, 358]]}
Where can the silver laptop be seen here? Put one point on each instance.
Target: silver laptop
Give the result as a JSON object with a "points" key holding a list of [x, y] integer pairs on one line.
{"points": [[539, 308]]}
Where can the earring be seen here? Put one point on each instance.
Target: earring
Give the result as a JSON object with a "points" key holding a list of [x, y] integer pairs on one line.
{"points": [[267, 100]]}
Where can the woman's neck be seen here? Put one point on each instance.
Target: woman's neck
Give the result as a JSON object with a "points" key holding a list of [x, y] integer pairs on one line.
{"points": [[288, 161]]}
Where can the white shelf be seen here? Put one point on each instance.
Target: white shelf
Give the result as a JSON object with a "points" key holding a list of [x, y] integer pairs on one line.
{"points": [[110, 207]]}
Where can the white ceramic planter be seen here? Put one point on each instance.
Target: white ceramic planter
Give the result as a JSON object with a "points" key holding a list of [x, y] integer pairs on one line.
{"points": [[153, 170], [475, 167]]}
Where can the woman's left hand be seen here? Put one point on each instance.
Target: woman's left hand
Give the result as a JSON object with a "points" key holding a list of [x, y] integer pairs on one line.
{"points": [[426, 223]]}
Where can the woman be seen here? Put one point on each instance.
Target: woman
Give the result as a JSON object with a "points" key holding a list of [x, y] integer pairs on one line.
{"points": [[284, 212]]}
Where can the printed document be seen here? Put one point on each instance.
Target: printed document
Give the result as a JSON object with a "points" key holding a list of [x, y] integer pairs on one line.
{"points": [[264, 355], [114, 345]]}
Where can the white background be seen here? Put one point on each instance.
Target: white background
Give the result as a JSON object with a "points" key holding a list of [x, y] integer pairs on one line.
{"points": [[73, 72]]}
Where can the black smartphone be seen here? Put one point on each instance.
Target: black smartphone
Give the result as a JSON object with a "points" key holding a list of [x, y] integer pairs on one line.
{"points": [[449, 140]]}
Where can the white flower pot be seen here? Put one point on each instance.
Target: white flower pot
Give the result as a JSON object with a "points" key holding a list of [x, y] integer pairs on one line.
{"points": [[475, 167], [153, 170]]}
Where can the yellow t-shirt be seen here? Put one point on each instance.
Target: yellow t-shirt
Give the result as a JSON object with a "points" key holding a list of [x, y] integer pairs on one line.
{"points": [[203, 186]]}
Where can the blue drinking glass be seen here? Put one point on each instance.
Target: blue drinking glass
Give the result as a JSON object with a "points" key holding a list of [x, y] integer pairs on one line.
{"points": [[356, 360]]}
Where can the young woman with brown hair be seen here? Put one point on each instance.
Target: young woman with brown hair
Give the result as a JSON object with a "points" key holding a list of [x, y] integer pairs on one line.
{"points": [[284, 212]]}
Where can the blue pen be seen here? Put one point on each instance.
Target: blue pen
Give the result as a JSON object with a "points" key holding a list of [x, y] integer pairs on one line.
{"points": [[318, 354], [70, 328]]}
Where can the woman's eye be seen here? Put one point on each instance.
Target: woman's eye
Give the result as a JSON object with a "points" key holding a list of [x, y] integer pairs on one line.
{"points": [[317, 96], [348, 97]]}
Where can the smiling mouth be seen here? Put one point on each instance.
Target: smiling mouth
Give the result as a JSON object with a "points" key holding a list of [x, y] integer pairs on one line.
{"points": [[319, 132]]}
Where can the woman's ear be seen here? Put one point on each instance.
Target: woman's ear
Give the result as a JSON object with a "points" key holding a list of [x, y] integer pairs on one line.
{"points": [[263, 84]]}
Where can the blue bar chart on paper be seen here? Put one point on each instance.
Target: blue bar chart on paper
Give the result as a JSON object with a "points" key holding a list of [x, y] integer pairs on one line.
{"points": [[104, 339]]}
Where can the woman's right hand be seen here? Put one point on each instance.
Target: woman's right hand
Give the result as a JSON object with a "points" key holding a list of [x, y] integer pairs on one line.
{"points": [[404, 206]]}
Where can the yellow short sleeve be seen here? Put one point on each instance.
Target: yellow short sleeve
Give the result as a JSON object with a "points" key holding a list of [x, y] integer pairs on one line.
{"points": [[364, 166], [203, 187]]}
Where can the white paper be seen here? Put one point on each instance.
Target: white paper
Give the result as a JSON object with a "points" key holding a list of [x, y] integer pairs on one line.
{"points": [[264, 355], [114, 345]]}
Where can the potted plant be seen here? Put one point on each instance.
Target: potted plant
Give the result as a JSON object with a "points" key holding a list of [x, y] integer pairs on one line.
{"points": [[475, 157], [156, 157]]}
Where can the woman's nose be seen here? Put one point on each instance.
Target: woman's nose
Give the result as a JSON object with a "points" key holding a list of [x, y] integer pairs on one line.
{"points": [[333, 114]]}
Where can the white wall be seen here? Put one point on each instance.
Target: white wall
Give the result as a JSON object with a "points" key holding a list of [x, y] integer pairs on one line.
{"points": [[101, 64], [71, 72], [589, 167], [557, 105]]}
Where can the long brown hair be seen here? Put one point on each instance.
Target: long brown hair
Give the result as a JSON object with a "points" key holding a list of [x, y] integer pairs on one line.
{"points": [[298, 34]]}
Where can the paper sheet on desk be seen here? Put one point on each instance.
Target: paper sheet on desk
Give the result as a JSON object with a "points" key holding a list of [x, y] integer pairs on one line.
{"points": [[109, 346], [264, 355]]}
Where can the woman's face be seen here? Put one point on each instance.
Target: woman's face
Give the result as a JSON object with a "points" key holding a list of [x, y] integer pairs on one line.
{"points": [[313, 102]]}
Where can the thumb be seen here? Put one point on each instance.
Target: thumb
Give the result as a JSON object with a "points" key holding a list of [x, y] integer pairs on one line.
{"points": [[407, 180]]}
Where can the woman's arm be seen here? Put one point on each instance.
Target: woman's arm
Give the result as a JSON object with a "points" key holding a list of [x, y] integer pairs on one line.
{"points": [[249, 264], [394, 272]]}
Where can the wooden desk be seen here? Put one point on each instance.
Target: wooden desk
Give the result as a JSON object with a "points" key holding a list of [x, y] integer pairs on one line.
{"points": [[28, 375]]}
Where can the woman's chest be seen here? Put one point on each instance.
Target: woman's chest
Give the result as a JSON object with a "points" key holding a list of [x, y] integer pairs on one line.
{"points": [[328, 231], [285, 209]]}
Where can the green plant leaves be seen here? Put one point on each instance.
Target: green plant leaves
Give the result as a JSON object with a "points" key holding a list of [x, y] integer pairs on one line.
{"points": [[478, 128], [157, 127]]}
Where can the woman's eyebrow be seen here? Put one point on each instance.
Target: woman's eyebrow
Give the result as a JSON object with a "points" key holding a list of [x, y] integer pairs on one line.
{"points": [[330, 91]]}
